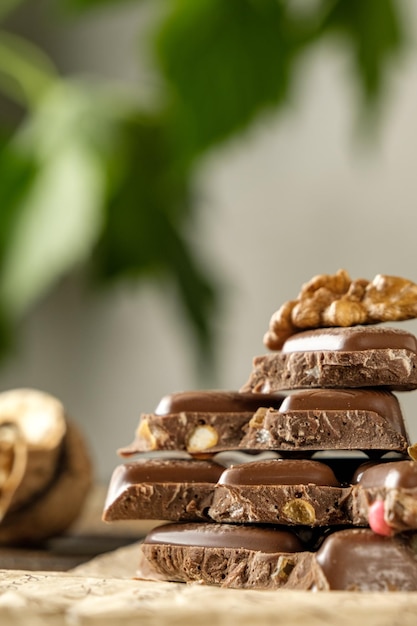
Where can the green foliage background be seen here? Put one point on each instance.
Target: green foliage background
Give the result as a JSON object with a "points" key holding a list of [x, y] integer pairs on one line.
{"points": [[92, 178]]}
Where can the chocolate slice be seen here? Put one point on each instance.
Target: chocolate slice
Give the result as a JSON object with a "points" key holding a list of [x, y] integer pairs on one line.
{"points": [[201, 423], [360, 560], [243, 557], [162, 489], [222, 554], [357, 356], [330, 419], [393, 483], [282, 491], [305, 422]]}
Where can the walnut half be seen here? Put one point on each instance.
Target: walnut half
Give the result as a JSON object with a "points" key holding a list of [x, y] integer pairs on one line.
{"points": [[337, 300]]}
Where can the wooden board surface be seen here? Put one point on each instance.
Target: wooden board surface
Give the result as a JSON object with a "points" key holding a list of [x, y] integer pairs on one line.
{"points": [[54, 599]]}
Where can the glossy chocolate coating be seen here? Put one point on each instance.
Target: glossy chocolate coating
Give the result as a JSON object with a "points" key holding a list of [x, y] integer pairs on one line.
{"points": [[280, 472], [383, 403], [360, 560], [162, 471], [163, 489], [351, 339], [391, 475], [225, 536], [216, 401]]}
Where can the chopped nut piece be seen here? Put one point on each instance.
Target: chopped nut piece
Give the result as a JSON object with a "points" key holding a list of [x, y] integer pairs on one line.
{"points": [[284, 567], [144, 432], [257, 421], [336, 300], [202, 438], [412, 451], [299, 511]]}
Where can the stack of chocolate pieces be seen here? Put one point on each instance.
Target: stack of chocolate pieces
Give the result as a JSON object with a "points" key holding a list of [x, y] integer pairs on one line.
{"points": [[303, 479]]}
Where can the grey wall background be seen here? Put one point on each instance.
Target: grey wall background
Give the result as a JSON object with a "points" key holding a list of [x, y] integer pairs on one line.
{"points": [[296, 196]]}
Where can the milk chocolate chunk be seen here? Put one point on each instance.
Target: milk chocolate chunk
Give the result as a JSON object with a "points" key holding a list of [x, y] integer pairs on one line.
{"points": [[162, 489], [305, 422], [226, 555], [360, 560], [390, 475], [330, 419], [282, 491], [392, 483], [357, 356], [201, 423], [231, 556]]}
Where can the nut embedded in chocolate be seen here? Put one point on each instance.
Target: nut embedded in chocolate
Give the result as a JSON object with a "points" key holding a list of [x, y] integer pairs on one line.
{"points": [[280, 491], [198, 422]]}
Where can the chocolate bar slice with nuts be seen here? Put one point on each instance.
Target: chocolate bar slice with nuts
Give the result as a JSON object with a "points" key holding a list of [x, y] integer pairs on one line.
{"points": [[330, 419], [292, 492], [307, 492], [306, 421], [227, 555], [198, 422], [280, 491], [254, 557], [358, 356], [162, 489]]}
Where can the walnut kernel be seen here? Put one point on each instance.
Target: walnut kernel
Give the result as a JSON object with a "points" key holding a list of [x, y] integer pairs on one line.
{"points": [[336, 300]]}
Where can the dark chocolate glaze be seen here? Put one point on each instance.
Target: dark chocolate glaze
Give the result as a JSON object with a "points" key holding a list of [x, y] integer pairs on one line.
{"points": [[351, 339], [216, 401], [280, 472], [226, 536], [360, 560], [394, 475], [384, 403]]}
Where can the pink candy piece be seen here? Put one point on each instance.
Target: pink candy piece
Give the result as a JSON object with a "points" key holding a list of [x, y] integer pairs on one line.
{"points": [[376, 519]]}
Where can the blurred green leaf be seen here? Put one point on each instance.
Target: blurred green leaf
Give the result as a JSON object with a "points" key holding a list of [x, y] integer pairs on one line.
{"points": [[224, 62], [26, 73], [60, 208], [91, 4], [8, 6], [375, 32], [145, 219], [17, 173]]}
